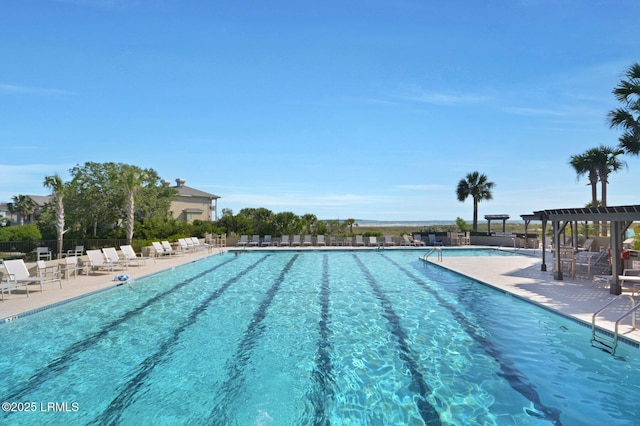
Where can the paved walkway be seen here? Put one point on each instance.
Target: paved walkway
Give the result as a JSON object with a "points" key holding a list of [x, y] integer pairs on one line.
{"points": [[518, 275]]}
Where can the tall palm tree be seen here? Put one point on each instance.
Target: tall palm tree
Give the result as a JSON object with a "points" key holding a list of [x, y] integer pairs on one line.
{"points": [[479, 188], [23, 205], [55, 184], [132, 179], [627, 117], [607, 162], [583, 164]]}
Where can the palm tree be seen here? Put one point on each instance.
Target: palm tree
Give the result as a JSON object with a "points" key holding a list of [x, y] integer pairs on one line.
{"points": [[607, 162], [627, 117], [55, 184], [586, 163], [23, 205], [132, 179], [350, 222], [479, 188]]}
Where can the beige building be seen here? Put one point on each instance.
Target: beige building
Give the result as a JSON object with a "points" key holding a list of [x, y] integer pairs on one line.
{"points": [[193, 204]]}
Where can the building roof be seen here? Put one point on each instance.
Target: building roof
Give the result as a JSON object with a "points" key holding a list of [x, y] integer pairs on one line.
{"points": [[187, 191]]}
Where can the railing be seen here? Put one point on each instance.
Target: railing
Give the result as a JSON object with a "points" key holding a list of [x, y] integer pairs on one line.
{"points": [[27, 249], [437, 250], [610, 345]]}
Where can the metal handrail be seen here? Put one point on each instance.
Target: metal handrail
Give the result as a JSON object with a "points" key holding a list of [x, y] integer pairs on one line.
{"points": [[634, 308], [430, 252]]}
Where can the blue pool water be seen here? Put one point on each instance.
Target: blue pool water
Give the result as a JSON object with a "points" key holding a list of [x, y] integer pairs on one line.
{"points": [[345, 338]]}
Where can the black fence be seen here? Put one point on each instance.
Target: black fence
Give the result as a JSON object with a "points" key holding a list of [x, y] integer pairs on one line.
{"points": [[27, 249]]}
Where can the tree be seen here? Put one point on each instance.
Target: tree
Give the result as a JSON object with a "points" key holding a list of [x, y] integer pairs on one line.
{"points": [[350, 222], [132, 179], [587, 163], [608, 162], [22, 205], [479, 188], [627, 117], [58, 188]]}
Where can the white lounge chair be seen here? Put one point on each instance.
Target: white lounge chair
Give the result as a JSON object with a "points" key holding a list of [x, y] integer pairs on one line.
{"points": [[388, 241], [158, 249], [198, 245], [11, 283], [296, 240], [320, 241], [284, 241], [266, 241], [255, 241], [113, 257], [186, 245], [166, 245], [359, 240], [19, 274], [373, 241], [130, 254], [243, 241], [97, 261], [417, 240], [307, 241]]}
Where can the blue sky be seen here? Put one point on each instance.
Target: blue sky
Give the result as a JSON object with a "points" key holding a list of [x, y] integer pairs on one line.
{"points": [[365, 109]]}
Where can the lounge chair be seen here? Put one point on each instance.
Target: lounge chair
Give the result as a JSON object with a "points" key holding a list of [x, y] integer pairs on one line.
{"points": [[130, 254], [434, 241], [113, 257], [320, 241], [97, 261], [169, 249], [49, 273], [10, 283], [255, 241], [284, 241], [347, 241], [406, 241], [417, 240], [243, 241], [307, 241], [266, 241], [373, 241], [586, 246], [359, 240], [158, 249], [186, 246], [19, 274], [296, 240], [333, 241], [388, 241]]}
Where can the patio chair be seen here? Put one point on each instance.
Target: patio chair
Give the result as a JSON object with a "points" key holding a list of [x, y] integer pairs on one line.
{"points": [[255, 241], [166, 245], [320, 241], [10, 284], [71, 264], [307, 241], [49, 273], [19, 274], [43, 253], [388, 241], [406, 241], [285, 241], [266, 241], [373, 241], [434, 241], [159, 250], [359, 240], [296, 240], [130, 254], [417, 240], [97, 261], [243, 241], [78, 251], [113, 257], [186, 246]]}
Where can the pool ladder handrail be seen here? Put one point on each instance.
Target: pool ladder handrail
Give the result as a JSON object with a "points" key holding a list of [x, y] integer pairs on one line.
{"points": [[430, 252], [612, 344]]}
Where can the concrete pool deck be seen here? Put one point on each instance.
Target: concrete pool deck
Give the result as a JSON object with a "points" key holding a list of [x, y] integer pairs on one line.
{"points": [[519, 275]]}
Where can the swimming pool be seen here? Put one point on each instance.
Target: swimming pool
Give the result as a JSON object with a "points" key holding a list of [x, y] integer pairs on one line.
{"points": [[346, 338]]}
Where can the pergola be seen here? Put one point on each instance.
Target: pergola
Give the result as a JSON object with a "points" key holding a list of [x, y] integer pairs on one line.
{"points": [[620, 217], [502, 217]]}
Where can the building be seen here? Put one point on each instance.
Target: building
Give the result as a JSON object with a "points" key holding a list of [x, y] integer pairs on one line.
{"points": [[192, 204]]}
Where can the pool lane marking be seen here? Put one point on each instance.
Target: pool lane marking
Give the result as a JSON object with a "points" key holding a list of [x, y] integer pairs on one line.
{"points": [[323, 372], [61, 363], [516, 379], [111, 415], [236, 364], [419, 385]]}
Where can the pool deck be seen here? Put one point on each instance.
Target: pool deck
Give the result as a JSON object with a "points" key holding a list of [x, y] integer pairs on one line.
{"points": [[519, 275]]}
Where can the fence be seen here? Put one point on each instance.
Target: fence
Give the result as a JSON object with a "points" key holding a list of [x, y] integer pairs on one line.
{"points": [[27, 249]]}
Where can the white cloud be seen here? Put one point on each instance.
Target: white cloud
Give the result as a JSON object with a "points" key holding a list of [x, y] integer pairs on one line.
{"points": [[13, 89]]}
